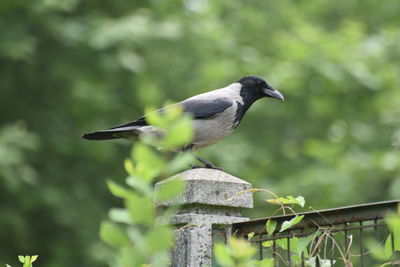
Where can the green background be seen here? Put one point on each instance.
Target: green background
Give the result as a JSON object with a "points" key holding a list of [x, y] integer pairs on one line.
{"points": [[73, 66]]}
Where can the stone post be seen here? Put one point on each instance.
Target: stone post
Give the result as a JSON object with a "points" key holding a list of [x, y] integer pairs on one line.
{"points": [[205, 213]]}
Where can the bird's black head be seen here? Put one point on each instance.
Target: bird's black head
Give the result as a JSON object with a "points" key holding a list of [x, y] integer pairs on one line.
{"points": [[254, 88]]}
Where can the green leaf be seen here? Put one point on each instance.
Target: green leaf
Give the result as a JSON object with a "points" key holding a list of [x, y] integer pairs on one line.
{"points": [[159, 239], [250, 235], [145, 154], [179, 162], [300, 201], [223, 255], [149, 164], [287, 200], [294, 243], [296, 259], [169, 189], [173, 112], [140, 209], [155, 118], [378, 251], [264, 263], [112, 234], [21, 258], [270, 226], [27, 262], [181, 133], [303, 242], [241, 248], [129, 256], [128, 165], [137, 235], [388, 247], [393, 222], [119, 215], [140, 186], [34, 258], [118, 190], [287, 224], [267, 243], [7, 265], [282, 243]]}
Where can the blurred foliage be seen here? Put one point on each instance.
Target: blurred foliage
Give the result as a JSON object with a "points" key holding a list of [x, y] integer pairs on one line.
{"points": [[74, 66], [239, 253], [26, 260], [141, 237], [387, 254]]}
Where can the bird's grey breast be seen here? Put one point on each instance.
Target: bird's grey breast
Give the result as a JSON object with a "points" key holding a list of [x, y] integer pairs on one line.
{"points": [[214, 129]]}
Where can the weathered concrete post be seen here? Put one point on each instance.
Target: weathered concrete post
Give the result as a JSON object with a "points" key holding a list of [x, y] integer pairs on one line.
{"points": [[205, 213]]}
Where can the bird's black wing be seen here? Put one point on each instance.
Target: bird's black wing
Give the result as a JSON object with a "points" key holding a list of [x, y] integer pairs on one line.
{"points": [[199, 108], [205, 109]]}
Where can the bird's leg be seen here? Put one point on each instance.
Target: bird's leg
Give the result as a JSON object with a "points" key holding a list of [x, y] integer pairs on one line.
{"points": [[206, 163]]}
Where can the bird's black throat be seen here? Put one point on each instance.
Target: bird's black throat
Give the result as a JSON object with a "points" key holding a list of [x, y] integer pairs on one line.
{"points": [[249, 97]]}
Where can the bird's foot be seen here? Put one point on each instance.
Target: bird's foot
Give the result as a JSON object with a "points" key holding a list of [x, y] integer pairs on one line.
{"points": [[207, 164], [207, 167]]}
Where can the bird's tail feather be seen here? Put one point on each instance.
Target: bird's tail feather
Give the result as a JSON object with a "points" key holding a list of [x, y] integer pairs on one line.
{"points": [[123, 132], [100, 136]]}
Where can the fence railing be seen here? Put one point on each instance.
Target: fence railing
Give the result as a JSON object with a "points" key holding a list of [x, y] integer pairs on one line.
{"points": [[333, 237], [347, 236]]}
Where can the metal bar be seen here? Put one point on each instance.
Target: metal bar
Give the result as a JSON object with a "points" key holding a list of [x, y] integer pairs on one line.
{"points": [[331, 248], [288, 250], [302, 253], [393, 248], [376, 229], [346, 244], [274, 252], [331, 230], [361, 244], [261, 249], [326, 217]]}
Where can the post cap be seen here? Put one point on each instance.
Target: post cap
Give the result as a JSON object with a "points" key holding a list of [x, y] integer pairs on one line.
{"points": [[210, 187]]}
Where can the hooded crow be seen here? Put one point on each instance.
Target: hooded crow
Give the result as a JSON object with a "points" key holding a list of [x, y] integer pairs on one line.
{"points": [[216, 114]]}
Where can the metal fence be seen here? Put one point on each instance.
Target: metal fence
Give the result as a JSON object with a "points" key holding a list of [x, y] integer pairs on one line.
{"points": [[344, 236]]}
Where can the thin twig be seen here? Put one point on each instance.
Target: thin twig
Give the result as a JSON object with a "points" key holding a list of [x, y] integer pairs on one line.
{"points": [[252, 191]]}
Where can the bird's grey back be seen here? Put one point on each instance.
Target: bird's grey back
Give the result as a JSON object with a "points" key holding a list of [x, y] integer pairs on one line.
{"points": [[231, 91]]}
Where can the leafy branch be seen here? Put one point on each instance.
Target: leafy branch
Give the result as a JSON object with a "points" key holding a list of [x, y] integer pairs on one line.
{"points": [[26, 260], [135, 230]]}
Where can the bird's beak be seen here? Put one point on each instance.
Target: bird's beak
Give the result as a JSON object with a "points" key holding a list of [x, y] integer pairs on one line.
{"points": [[273, 93]]}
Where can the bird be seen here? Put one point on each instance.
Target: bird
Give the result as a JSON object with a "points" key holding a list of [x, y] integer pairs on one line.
{"points": [[216, 114]]}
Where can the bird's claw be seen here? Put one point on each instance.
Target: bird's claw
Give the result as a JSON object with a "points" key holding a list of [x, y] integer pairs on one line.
{"points": [[207, 165]]}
